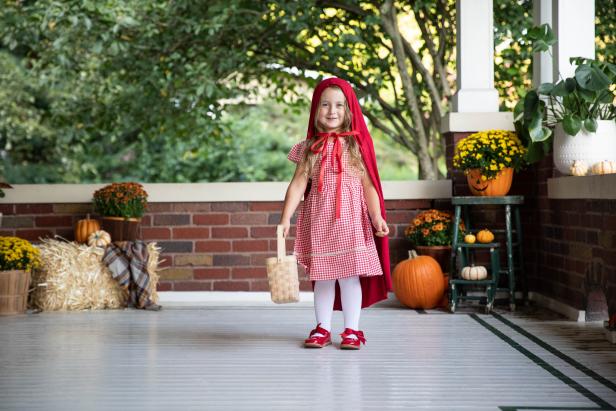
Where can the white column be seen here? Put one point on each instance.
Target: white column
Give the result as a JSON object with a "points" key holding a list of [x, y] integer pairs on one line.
{"points": [[542, 62], [574, 27], [475, 57]]}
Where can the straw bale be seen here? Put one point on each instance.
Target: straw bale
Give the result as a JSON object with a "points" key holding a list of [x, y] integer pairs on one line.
{"points": [[73, 277]]}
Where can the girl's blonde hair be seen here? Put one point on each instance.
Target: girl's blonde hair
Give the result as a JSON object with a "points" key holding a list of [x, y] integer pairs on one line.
{"points": [[355, 159]]}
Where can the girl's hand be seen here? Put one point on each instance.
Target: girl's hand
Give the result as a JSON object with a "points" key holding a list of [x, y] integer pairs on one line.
{"points": [[380, 225], [286, 227]]}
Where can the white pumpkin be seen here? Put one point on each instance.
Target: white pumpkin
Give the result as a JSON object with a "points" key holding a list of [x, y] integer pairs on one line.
{"points": [[604, 167], [579, 168], [478, 272], [99, 238]]}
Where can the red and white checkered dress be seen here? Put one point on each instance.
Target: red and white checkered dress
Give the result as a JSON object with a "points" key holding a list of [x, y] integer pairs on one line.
{"points": [[327, 247]]}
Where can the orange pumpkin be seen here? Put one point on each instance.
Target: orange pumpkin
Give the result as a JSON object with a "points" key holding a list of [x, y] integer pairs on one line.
{"points": [[498, 186], [485, 236], [418, 282], [84, 228]]}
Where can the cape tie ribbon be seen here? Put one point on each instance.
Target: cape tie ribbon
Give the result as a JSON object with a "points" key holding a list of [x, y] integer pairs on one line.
{"points": [[320, 146]]}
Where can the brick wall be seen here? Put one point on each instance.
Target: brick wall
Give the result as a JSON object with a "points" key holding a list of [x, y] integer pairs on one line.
{"points": [[569, 245], [217, 246]]}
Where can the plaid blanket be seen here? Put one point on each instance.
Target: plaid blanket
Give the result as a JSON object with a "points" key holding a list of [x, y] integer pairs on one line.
{"points": [[128, 262]]}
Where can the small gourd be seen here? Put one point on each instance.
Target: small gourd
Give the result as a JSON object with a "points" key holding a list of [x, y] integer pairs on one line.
{"points": [[579, 168], [99, 238], [485, 236], [84, 228], [474, 272], [470, 239], [604, 167]]}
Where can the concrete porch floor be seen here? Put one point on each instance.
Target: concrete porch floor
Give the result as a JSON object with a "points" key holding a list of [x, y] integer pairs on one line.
{"points": [[251, 358]]}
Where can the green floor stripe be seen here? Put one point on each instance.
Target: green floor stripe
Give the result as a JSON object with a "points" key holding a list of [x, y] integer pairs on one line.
{"points": [[534, 358], [609, 384], [514, 408]]}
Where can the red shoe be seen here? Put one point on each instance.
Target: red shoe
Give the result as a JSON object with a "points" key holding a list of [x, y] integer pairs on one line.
{"points": [[352, 343], [318, 342]]}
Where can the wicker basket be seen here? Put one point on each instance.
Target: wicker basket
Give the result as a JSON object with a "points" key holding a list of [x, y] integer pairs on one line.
{"points": [[14, 291], [282, 274]]}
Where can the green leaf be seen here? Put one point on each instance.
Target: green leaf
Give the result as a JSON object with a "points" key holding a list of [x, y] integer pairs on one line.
{"points": [[545, 88], [531, 105], [572, 124], [570, 85], [540, 46], [544, 33], [534, 153], [611, 67], [560, 89], [540, 134], [591, 78], [518, 111], [587, 95], [590, 124], [536, 130], [605, 97]]}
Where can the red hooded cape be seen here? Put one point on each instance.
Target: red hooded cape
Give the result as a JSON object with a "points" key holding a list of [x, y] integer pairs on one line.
{"points": [[374, 289]]}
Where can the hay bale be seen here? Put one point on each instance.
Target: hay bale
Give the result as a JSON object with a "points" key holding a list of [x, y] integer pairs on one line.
{"points": [[73, 277]]}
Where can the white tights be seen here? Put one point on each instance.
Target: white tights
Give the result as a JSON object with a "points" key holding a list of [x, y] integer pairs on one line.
{"points": [[324, 293]]}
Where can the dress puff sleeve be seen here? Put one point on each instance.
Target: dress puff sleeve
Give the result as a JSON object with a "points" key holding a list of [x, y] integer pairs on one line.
{"points": [[297, 152]]}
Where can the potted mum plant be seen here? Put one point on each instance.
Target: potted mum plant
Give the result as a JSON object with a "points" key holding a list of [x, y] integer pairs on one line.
{"points": [[121, 206], [17, 258], [575, 115], [489, 159], [431, 233]]}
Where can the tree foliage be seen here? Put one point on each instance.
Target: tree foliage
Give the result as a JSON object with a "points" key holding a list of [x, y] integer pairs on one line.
{"points": [[149, 89], [115, 90], [404, 86]]}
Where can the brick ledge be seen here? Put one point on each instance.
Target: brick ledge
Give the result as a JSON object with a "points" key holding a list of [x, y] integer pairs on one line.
{"points": [[587, 187], [210, 192]]}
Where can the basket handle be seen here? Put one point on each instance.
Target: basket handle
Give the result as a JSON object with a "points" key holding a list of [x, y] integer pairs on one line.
{"points": [[280, 240]]}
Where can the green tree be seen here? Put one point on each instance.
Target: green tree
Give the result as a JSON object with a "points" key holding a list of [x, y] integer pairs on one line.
{"points": [[146, 89], [116, 90], [404, 86]]}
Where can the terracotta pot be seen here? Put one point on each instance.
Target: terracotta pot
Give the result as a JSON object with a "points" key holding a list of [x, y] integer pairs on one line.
{"points": [[14, 286], [498, 186], [121, 229], [441, 253]]}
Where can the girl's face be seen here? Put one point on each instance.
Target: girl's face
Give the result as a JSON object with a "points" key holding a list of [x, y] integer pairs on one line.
{"points": [[331, 109]]}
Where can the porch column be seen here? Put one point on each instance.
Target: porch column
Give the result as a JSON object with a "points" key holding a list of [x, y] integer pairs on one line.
{"points": [[542, 62], [574, 27], [475, 57]]}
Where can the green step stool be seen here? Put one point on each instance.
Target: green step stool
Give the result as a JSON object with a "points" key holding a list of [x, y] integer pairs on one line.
{"points": [[514, 260]]}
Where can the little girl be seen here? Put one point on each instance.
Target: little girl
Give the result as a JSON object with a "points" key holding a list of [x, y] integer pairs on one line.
{"points": [[342, 212]]}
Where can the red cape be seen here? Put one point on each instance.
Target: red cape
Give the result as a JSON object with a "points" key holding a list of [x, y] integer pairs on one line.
{"points": [[374, 289]]}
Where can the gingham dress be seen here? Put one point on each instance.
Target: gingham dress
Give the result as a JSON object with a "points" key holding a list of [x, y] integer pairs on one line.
{"points": [[327, 247]]}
